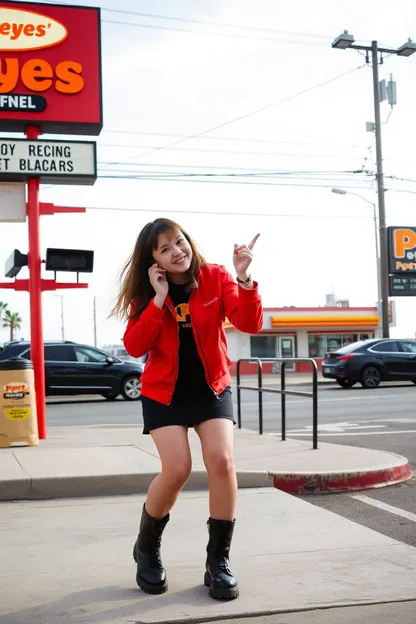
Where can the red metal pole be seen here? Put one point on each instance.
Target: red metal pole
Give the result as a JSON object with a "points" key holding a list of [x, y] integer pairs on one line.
{"points": [[35, 293]]}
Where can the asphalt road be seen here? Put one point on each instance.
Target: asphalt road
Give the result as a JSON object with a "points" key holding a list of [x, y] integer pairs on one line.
{"points": [[381, 419], [384, 418]]}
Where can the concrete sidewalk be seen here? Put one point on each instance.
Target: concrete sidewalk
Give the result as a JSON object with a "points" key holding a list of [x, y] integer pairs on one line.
{"points": [[104, 460], [70, 562]]}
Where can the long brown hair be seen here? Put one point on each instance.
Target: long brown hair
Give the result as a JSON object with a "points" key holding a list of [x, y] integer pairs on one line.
{"points": [[135, 287]]}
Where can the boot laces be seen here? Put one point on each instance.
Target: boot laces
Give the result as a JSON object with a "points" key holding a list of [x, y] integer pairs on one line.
{"points": [[222, 565], [154, 554]]}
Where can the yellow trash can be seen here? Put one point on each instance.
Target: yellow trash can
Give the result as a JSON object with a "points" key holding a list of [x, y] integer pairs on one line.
{"points": [[18, 421]]}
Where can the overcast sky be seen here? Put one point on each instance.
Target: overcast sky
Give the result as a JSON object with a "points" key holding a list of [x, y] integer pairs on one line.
{"points": [[168, 79]]}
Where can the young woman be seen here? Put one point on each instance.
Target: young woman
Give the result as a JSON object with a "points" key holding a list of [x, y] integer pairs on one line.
{"points": [[176, 305]]}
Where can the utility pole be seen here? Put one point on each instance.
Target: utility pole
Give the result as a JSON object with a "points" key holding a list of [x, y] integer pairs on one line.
{"points": [[384, 268], [95, 320], [343, 42]]}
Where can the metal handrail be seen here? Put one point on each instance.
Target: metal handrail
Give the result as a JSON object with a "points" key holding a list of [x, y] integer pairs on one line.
{"points": [[283, 392]]}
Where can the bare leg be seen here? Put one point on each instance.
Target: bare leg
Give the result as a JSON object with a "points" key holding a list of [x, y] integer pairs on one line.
{"points": [[173, 447], [217, 449]]}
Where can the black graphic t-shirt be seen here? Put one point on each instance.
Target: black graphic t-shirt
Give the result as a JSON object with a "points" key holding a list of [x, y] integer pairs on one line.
{"points": [[191, 378]]}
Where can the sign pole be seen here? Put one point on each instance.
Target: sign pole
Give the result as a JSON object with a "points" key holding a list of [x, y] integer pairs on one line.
{"points": [[35, 293]]}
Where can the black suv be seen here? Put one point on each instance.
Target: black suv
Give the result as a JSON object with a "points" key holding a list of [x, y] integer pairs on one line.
{"points": [[371, 362], [72, 368]]}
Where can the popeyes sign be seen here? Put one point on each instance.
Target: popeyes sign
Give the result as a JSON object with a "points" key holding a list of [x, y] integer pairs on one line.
{"points": [[50, 68], [402, 249]]}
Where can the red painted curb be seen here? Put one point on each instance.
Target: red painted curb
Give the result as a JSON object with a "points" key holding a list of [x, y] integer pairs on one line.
{"points": [[316, 483]]}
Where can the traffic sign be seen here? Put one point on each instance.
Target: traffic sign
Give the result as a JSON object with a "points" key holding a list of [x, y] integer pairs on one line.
{"points": [[56, 162]]}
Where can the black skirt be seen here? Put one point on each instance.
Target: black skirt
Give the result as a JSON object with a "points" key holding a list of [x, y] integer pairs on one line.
{"points": [[187, 411]]}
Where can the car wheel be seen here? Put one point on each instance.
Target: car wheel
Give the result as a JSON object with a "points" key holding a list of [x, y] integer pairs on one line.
{"points": [[414, 381], [131, 388], [346, 383], [110, 396], [370, 377]]}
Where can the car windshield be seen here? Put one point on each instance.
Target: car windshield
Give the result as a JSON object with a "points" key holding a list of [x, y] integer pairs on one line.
{"points": [[351, 347]]}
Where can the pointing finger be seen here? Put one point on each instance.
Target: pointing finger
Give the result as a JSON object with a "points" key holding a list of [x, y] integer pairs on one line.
{"points": [[253, 242]]}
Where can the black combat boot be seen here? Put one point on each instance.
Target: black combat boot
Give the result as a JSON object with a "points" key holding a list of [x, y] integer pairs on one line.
{"points": [[151, 575], [218, 576]]}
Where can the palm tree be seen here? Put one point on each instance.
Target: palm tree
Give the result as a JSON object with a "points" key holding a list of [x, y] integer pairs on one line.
{"points": [[3, 307], [13, 321]]}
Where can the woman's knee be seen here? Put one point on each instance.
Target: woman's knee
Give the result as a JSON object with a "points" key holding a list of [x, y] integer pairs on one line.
{"points": [[220, 463], [178, 473], [173, 447]]}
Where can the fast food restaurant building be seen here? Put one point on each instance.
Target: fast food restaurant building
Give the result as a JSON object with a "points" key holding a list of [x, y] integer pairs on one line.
{"points": [[301, 332]]}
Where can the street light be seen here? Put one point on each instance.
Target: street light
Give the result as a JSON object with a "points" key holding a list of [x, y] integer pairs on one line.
{"points": [[343, 42], [339, 191], [407, 49]]}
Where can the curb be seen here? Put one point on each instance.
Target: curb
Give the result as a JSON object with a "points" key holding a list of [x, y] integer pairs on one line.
{"points": [[113, 485], [328, 482]]}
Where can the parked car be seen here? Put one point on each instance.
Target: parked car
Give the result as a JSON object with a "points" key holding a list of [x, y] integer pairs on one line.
{"points": [[73, 369], [121, 354], [372, 361]]}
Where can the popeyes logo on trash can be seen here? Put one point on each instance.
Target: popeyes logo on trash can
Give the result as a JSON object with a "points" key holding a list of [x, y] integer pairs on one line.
{"points": [[16, 390], [50, 68]]}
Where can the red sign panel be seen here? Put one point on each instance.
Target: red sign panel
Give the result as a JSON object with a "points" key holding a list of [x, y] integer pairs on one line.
{"points": [[50, 68]]}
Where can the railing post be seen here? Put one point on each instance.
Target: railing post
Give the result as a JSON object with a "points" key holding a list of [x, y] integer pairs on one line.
{"points": [[283, 392], [238, 395], [260, 381], [283, 395], [314, 404]]}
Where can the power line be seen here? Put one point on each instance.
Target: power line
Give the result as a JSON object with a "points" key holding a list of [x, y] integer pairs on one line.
{"points": [[328, 184], [214, 34], [245, 116], [246, 170], [270, 174], [262, 181], [238, 139], [219, 24], [230, 214], [194, 31], [401, 191], [178, 177], [223, 151], [392, 177]]}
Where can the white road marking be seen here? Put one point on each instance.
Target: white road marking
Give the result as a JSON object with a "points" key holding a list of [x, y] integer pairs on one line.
{"points": [[344, 426], [363, 398], [341, 427], [393, 510], [347, 433]]}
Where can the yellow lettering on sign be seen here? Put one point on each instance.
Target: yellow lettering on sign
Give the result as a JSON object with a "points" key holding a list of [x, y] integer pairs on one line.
{"points": [[405, 266]]}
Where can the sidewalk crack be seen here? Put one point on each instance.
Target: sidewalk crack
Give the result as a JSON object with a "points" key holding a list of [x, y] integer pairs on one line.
{"points": [[25, 472]]}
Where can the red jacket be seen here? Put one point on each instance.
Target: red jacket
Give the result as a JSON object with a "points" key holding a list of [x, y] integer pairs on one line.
{"points": [[155, 332]]}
